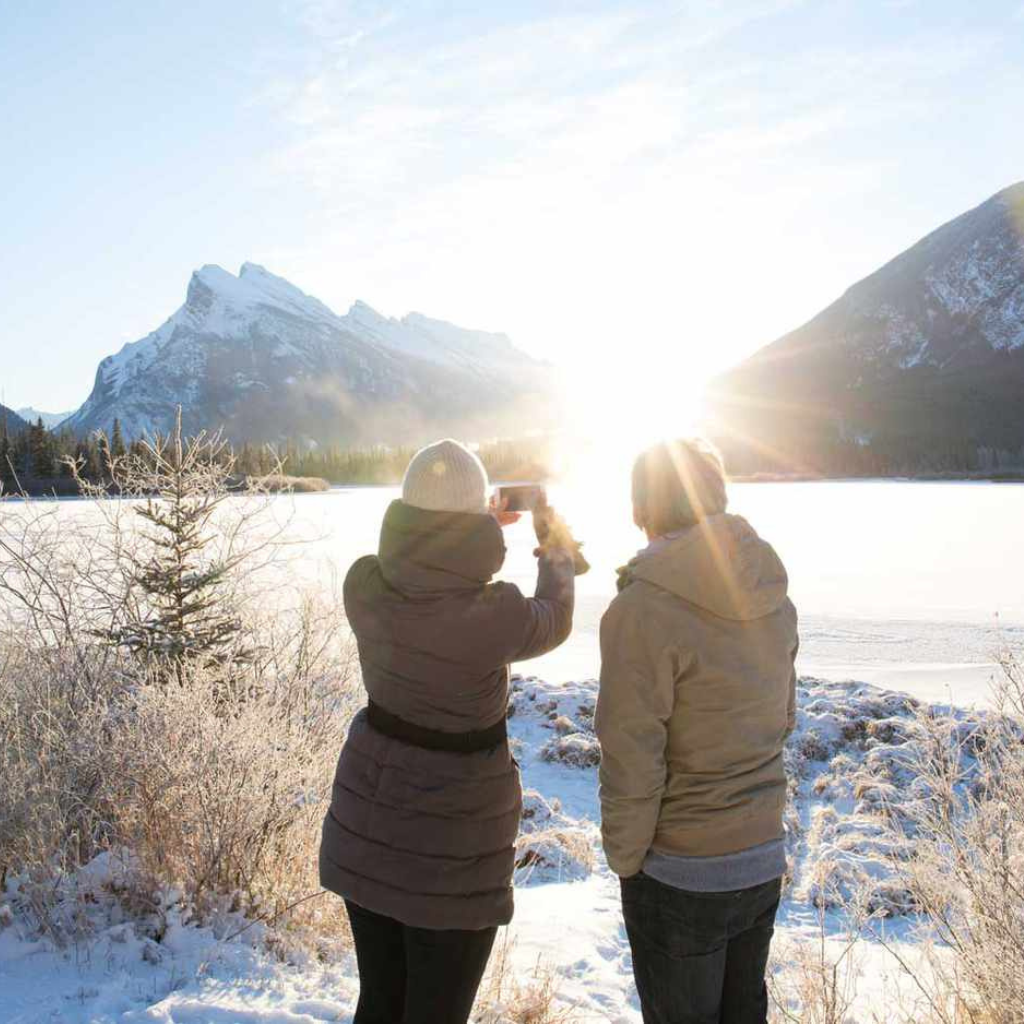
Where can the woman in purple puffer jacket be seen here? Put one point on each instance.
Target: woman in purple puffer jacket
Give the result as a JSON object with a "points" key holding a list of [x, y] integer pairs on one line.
{"points": [[420, 835]]}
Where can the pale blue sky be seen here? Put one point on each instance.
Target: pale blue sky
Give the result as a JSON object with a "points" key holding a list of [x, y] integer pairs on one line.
{"points": [[641, 190]]}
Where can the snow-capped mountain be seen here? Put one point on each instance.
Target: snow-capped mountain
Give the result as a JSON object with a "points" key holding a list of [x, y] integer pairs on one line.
{"points": [[436, 341], [926, 353], [50, 419], [257, 356]]}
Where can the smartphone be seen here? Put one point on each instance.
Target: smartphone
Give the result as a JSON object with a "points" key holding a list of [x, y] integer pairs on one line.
{"points": [[522, 497]]}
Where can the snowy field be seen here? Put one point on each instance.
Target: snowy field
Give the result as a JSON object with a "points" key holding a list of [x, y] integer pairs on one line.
{"points": [[848, 754]]}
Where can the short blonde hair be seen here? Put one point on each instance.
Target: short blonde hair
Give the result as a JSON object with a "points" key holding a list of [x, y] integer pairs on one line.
{"points": [[676, 484]]}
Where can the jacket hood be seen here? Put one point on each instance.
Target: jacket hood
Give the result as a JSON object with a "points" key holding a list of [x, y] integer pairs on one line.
{"points": [[721, 565], [427, 551]]}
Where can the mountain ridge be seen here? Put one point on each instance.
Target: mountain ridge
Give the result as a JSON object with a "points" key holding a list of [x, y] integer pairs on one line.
{"points": [[14, 423], [50, 419], [256, 355], [920, 363]]}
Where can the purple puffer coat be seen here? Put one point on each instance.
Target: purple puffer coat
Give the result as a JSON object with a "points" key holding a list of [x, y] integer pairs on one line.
{"points": [[427, 836]]}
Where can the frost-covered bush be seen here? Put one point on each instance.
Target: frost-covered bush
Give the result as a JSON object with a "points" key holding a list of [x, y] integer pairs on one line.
{"points": [[225, 798], [555, 854], [854, 765], [577, 750], [211, 770], [55, 714], [551, 846], [510, 998], [538, 811], [967, 871], [219, 793], [563, 725]]}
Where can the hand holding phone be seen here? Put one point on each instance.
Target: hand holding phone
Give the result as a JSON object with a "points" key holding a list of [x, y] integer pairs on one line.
{"points": [[499, 509], [521, 497]]}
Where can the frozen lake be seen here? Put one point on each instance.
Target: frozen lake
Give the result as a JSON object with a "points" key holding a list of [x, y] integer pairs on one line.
{"points": [[914, 586]]}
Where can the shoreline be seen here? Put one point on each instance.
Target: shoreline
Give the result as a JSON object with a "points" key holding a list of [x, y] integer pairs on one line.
{"points": [[917, 478], [327, 487]]}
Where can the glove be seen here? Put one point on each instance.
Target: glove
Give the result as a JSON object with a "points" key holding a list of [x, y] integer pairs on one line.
{"points": [[553, 534]]}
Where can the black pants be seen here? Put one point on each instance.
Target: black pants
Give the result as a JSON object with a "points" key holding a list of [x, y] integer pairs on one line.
{"points": [[700, 957], [416, 975]]}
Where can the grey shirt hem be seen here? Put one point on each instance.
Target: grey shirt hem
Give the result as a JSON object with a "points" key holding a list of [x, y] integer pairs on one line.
{"points": [[741, 870]]}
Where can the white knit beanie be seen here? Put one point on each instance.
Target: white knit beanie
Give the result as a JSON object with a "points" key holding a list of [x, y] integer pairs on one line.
{"points": [[446, 477]]}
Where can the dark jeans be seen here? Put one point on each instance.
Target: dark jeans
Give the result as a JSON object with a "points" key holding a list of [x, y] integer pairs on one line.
{"points": [[416, 975], [700, 957]]}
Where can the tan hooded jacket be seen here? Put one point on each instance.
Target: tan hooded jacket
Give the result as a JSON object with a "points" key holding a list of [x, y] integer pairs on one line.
{"points": [[697, 697]]}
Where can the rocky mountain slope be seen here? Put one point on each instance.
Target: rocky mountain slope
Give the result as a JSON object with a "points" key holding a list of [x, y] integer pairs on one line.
{"points": [[255, 355], [922, 361], [15, 423]]}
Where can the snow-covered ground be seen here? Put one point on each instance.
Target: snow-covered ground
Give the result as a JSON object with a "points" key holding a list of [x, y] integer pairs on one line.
{"points": [[847, 755]]}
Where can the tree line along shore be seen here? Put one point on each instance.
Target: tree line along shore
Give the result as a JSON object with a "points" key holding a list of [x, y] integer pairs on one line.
{"points": [[40, 462]]}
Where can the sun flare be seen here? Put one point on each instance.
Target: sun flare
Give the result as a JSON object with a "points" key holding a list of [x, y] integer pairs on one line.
{"points": [[612, 417]]}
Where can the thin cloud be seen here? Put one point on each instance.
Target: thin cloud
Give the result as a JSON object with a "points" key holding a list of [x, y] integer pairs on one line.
{"points": [[596, 160], [614, 85]]}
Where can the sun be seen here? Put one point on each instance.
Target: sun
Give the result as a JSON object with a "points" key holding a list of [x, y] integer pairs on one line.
{"points": [[610, 416], [652, 402]]}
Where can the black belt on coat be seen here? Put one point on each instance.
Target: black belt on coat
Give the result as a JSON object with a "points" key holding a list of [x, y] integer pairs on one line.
{"points": [[433, 739]]}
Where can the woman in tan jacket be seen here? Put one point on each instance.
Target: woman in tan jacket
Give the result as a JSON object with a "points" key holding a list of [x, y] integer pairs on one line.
{"points": [[696, 701]]}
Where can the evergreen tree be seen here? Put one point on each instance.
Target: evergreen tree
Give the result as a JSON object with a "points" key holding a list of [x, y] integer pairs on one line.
{"points": [[103, 459], [22, 454], [117, 448], [86, 459], [183, 618], [43, 464], [7, 476]]}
